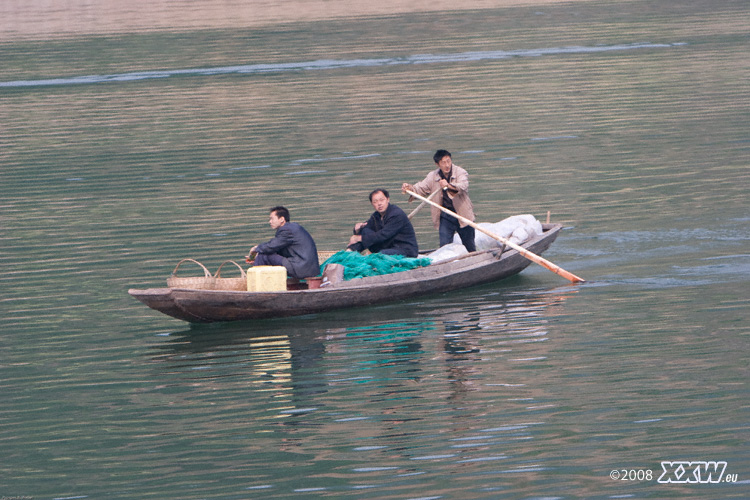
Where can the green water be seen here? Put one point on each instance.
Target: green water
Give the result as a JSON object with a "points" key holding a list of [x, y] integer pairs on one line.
{"points": [[628, 121]]}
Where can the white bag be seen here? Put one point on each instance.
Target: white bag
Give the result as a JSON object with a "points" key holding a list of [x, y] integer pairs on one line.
{"points": [[517, 228], [447, 252]]}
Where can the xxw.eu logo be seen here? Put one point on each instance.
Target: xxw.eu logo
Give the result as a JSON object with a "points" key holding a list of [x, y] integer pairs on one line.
{"points": [[692, 472]]}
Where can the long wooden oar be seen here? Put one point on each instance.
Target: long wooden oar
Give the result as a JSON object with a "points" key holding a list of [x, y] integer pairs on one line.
{"points": [[414, 212], [529, 255]]}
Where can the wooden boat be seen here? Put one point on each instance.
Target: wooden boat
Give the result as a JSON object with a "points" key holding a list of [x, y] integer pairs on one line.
{"points": [[201, 306]]}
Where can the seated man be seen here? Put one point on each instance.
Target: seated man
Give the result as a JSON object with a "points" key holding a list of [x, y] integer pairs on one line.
{"points": [[388, 230], [292, 247]]}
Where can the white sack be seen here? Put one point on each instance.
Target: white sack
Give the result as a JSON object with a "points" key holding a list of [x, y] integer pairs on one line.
{"points": [[449, 251], [517, 228]]}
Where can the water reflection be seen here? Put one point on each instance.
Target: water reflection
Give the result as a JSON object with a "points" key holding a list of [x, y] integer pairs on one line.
{"points": [[304, 365]]}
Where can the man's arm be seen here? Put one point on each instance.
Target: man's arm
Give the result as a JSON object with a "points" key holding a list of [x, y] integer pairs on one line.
{"points": [[284, 237], [358, 227], [461, 183], [423, 187], [391, 227]]}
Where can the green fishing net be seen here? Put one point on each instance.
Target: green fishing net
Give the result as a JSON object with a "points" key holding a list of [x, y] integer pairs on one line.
{"points": [[357, 265]]}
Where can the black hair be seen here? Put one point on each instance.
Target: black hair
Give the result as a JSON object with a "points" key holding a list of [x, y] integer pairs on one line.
{"points": [[385, 193], [281, 212], [440, 154]]}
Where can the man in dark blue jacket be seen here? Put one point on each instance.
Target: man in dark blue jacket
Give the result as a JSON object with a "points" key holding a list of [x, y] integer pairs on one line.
{"points": [[292, 247], [388, 231]]}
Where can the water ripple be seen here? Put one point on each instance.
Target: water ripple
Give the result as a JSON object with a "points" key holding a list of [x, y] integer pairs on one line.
{"points": [[327, 64]]}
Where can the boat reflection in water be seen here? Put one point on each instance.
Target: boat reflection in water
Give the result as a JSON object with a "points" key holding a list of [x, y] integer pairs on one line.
{"points": [[307, 355], [386, 397]]}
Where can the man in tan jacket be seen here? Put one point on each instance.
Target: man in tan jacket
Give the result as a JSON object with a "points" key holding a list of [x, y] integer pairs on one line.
{"points": [[453, 181]]}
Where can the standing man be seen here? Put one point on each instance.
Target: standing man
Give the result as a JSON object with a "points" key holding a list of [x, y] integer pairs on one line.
{"points": [[387, 231], [454, 183], [292, 247]]}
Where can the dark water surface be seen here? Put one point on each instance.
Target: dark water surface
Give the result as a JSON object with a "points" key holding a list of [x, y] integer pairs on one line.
{"points": [[121, 155]]}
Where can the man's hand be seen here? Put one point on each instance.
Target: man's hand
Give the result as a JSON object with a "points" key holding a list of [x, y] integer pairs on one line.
{"points": [[358, 227], [355, 239], [250, 257], [406, 187]]}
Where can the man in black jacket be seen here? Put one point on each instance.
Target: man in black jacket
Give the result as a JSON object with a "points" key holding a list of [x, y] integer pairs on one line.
{"points": [[291, 247], [388, 231]]}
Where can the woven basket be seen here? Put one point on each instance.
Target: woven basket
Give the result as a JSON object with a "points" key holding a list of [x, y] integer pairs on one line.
{"points": [[204, 282], [325, 254], [230, 283]]}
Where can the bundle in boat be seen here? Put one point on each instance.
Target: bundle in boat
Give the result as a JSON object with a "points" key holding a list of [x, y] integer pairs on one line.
{"points": [[516, 228], [357, 265]]}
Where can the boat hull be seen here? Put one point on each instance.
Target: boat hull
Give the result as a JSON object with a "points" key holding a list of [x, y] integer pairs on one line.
{"points": [[198, 306]]}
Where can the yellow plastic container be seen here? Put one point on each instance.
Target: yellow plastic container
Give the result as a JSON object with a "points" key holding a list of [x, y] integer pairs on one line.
{"points": [[266, 279]]}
